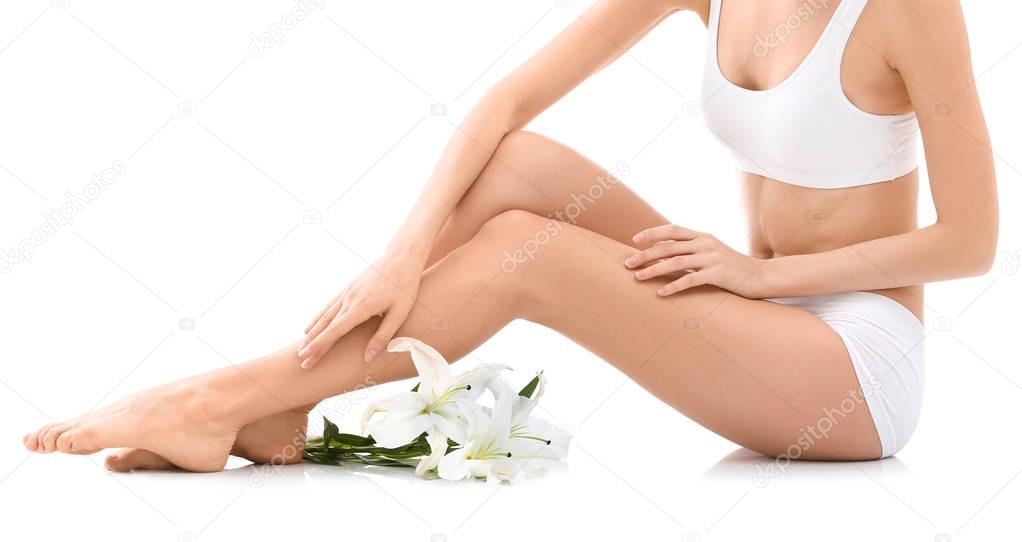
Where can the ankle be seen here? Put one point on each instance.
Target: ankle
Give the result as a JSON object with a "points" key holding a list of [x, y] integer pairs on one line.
{"points": [[232, 395], [193, 402]]}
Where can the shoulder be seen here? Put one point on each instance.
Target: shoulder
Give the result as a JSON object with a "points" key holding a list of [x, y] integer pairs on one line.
{"points": [[920, 9], [908, 19], [660, 9], [910, 28], [667, 6]]}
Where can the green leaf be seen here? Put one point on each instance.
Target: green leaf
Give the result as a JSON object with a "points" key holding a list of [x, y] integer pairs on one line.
{"points": [[329, 432], [353, 441], [530, 388]]}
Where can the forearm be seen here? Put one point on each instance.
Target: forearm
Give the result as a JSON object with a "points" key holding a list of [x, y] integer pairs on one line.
{"points": [[603, 33], [466, 154], [935, 253]]}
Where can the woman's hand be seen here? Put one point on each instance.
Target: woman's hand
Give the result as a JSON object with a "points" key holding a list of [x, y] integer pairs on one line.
{"points": [[694, 258], [388, 288]]}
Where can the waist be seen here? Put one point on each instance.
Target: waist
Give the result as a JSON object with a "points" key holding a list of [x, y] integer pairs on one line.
{"points": [[788, 220]]}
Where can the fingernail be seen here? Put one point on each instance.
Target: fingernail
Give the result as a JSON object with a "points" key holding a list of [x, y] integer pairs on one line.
{"points": [[370, 354], [305, 364], [640, 275], [303, 351], [637, 238], [661, 292], [630, 261]]}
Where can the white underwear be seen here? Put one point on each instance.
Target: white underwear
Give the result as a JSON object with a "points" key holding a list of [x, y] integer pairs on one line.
{"points": [[885, 342]]}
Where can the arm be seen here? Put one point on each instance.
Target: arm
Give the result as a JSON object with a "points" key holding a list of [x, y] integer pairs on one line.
{"points": [[594, 40], [931, 49], [602, 34]]}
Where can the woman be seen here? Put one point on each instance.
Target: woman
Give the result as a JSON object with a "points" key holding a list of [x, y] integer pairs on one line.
{"points": [[806, 347]]}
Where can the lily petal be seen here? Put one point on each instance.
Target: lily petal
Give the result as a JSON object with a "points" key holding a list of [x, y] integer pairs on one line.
{"points": [[455, 466], [402, 401], [477, 422], [543, 429], [531, 454], [398, 428], [501, 417], [478, 379], [437, 448], [434, 372], [449, 420], [521, 407]]}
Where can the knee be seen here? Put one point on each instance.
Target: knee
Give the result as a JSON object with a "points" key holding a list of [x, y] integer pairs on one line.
{"points": [[520, 238], [514, 227]]}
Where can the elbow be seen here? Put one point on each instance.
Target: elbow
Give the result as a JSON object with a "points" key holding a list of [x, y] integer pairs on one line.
{"points": [[968, 248], [980, 263], [978, 257], [983, 262], [985, 254], [501, 105]]}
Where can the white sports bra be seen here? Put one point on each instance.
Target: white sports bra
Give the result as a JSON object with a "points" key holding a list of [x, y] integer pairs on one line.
{"points": [[804, 131]]}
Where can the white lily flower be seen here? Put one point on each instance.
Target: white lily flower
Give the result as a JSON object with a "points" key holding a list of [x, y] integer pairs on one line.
{"points": [[486, 452], [432, 408], [491, 452], [524, 426]]}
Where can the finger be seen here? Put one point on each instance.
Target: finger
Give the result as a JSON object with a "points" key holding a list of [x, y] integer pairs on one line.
{"points": [[311, 353], [332, 314], [391, 321], [664, 233], [670, 265], [690, 280], [659, 252], [337, 329], [321, 313]]}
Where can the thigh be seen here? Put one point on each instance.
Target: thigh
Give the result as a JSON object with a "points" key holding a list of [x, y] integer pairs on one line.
{"points": [[533, 173], [769, 377]]}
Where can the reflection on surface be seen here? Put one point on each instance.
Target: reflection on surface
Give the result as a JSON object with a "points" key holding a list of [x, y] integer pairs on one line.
{"points": [[744, 465], [310, 473]]}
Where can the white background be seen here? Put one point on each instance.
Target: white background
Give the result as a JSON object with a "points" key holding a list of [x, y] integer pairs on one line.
{"points": [[225, 153]]}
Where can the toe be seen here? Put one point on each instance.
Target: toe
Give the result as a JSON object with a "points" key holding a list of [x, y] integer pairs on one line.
{"points": [[49, 438], [64, 442], [79, 440], [34, 441], [130, 459]]}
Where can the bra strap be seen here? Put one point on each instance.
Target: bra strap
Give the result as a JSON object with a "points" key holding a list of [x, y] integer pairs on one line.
{"points": [[713, 19], [845, 19], [840, 30]]}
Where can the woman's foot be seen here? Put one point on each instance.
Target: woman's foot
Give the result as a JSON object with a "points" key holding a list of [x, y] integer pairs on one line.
{"points": [[181, 422], [278, 439]]}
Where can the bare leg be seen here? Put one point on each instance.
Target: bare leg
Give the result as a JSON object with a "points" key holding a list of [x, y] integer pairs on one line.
{"points": [[531, 172], [705, 352], [527, 172]]}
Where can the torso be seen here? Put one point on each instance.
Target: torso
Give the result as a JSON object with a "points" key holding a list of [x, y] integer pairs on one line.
{"points": [[785, 219]]}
